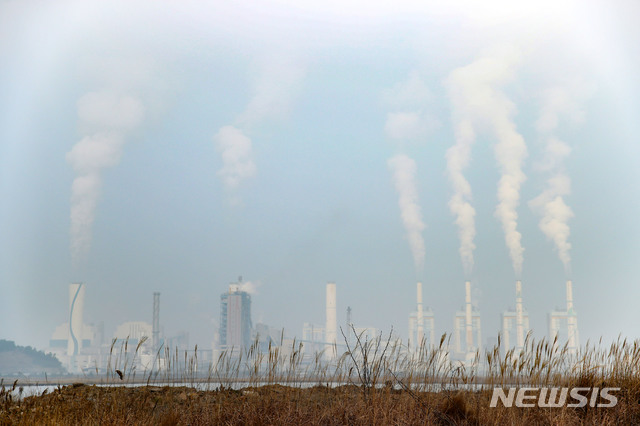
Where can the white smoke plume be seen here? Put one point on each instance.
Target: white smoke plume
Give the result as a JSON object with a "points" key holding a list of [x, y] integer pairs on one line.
{"points": [[235, 148], [409, 122], [106, 117], [458, 157], [478, 102], [404, 171], [550, 205], [278, 82], [250, 287]]}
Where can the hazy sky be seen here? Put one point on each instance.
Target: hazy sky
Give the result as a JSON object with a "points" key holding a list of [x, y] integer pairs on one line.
{"points": [[162, 146]]}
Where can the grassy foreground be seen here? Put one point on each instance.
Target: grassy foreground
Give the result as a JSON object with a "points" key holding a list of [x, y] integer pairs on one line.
{"points": [[372, 383], [275, 404]]}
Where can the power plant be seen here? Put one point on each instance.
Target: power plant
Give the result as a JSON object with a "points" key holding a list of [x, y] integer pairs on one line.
{"points": [[509, 320], [421, 325], [81, 347], [563, 325], [467, 322]]}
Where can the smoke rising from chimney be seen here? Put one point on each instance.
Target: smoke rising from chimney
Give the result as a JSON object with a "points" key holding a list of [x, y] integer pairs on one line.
{"points": [[235, 148], [550, 205], [478, 102], [106, 116], [404, 171], [408, 122], [458, 157], [250, 287], [278, 81]]}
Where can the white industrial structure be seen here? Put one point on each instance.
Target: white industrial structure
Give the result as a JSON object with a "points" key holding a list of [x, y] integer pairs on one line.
{"points": [[312, 338], [74, 342], [564, 324], [420, 316], [421, 324], [515, 322], [155, 333], [428, 330], [509, 321], [76, 310], [467, 322], [236, 327], [519, 317], [133, 332], [331, 328]]}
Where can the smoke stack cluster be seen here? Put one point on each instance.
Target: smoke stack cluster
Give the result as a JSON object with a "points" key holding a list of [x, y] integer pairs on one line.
{"points": [[331, 325]]}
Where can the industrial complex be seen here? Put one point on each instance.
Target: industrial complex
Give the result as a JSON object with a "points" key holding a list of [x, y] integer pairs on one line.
{"points": [[84, 348]]}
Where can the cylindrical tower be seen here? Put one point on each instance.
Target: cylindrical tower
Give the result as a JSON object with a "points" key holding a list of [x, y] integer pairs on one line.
{"points": [[331, 325], [468, 323], [519, 316], [76, 308], [155, 333], [420, 316], [572, 326]]}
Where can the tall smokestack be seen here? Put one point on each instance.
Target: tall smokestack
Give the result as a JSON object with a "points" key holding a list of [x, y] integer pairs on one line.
{"points": [[332, 325], [420, 318], [76, 308], [155, 333], [468, 318], [571, 320], [519, 317]]}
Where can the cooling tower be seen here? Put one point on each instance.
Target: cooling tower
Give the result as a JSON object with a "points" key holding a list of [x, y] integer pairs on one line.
{"points": [[331, 328], [420, 316], [468, 318], [519, 319], [76, 308]]}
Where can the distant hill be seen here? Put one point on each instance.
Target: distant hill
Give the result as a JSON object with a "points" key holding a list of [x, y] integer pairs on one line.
{"points": [[26, 360]]}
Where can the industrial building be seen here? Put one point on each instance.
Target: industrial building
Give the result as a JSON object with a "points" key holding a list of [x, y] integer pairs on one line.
{"points": [[421, 325], [517, 320], [236, 329], [467, 321], [563, 325], [312, 338], [71, 340], [133, 333], [428, 330], [509, 328]]}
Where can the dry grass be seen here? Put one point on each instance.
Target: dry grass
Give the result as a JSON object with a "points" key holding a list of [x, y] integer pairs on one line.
{"points": [[375, 382]]}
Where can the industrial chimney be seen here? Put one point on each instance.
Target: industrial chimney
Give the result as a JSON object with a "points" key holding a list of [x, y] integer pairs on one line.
{"points": [[519, 316], [468, 318], [420, 317], [572, 321], [76, 308], [155, 331], [331, 328]]}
